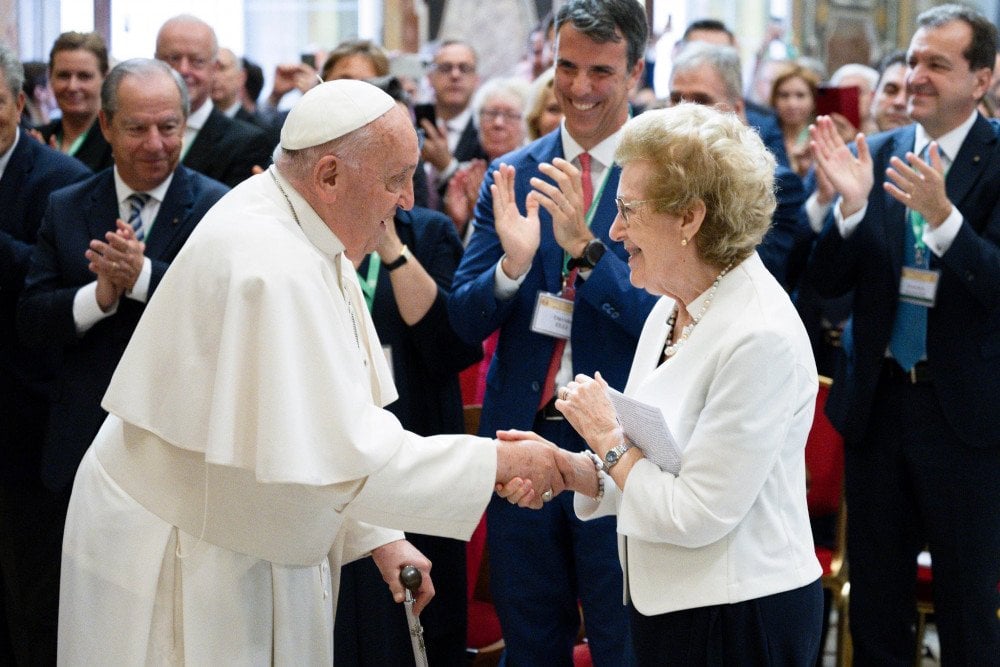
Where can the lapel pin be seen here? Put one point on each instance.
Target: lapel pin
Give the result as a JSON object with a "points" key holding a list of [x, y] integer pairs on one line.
{"points": [[975, 158]]}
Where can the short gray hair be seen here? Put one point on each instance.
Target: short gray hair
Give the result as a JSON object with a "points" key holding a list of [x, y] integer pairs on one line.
{"points": [[13, 71], [350, 149], [865, 72], [725, 60], [142, 68]]}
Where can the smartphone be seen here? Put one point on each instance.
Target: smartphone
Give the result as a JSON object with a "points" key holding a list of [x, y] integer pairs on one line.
{"points": [[425, 112], [842, 100], [308, 59]]}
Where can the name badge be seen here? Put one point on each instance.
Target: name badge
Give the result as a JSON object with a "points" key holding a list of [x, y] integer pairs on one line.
{"points": [[919, 286], [553, 315]]}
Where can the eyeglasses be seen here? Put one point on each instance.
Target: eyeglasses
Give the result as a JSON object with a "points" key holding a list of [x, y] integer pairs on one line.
{"points": [[446, 68], [194, 62], [491, 115], [625, 206]]}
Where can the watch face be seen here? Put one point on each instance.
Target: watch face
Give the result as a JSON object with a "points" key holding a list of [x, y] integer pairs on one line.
{"points": [[594, 251], [611, 456]]}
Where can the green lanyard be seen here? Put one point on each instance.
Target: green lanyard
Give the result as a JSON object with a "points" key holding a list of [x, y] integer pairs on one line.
{"points": [[591, 212], [76, 142], [370, 282]]}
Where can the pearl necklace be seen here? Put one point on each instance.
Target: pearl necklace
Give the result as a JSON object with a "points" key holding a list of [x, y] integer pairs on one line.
{"points": [[670, 349]]}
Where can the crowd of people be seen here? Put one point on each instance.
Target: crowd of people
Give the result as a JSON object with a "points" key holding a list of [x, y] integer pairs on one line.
{"points": [[225, 472]]}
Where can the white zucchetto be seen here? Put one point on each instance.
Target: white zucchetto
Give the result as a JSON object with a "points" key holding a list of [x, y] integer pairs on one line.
{"points": [[331, 110]]}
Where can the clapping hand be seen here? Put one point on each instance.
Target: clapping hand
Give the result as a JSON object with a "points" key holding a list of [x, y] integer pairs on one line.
{"points": [[920, 186], [564, 202], [851, 176], [117, 262], [519, 235]]}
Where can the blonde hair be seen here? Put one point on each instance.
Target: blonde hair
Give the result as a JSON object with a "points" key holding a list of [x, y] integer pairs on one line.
{"points": [[700, 154]]}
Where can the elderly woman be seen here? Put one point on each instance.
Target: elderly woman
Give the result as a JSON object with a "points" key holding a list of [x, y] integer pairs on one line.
{"points": [[78, 64], [718, 555], [498, 107]]}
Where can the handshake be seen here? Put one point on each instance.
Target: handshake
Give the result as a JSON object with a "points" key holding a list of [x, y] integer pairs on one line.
{"points": [[532, 471]]}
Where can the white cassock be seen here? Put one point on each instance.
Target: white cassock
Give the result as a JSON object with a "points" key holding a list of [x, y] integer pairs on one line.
{"points": [[247, 456]]}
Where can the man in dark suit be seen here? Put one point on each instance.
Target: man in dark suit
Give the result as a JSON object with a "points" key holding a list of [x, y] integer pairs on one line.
{"points": [[99, 257], [542, 564], [455, 138], [915, 393], [708, 74], [226, 149], [29, 171], [227, 89]]}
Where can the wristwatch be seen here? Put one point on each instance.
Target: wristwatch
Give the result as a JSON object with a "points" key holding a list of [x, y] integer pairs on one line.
{"points": [[615, 454], [404, 255], [592, 253]]}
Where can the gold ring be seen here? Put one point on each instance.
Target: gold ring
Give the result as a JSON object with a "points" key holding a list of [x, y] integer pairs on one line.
{"points": [[547, 496], [563, 393]]}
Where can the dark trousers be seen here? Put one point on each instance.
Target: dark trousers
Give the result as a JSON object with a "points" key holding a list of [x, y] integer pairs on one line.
{"points": [[780, 629], [543, 564], [911, 482], [31, 530]]}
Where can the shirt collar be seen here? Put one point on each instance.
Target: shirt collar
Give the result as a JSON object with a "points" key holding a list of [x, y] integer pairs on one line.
{"points": [[123, 191], [949, 143], [603, 153], [198, 118], [315, 230], [5, 158], [231, 111]]}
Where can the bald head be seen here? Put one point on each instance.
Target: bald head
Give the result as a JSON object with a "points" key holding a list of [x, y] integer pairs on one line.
{"points": [[189, 45]]}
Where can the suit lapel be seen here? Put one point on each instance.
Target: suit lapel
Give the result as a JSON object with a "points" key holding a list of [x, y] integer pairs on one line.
{"points": [[172, 215], [199, 155], [972, 161], [896, 212], [104, 210], [15, 175]]}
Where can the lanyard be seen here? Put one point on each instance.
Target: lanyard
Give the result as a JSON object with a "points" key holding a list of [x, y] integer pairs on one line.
{"points": [[591, 212], [75, 146], [370, 281]]}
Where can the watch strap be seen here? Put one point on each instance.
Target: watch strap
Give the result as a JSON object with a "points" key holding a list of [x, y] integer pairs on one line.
{"points": [[404, 256]]}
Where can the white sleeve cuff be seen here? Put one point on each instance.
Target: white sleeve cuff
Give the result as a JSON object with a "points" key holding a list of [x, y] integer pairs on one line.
{"points": [[816, 212], [503, 287], [850, 223], [86, 312], [939, 240], [140, 291]]}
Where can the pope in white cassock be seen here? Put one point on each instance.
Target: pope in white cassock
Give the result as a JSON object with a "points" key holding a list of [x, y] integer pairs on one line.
{"points": [[246, 455]]}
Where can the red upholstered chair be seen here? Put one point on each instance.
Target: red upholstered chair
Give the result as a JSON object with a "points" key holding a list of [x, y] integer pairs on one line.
{"points": [[484, 640], [825, 496]]}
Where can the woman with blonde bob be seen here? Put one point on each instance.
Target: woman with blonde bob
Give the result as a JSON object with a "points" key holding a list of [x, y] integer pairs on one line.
{"points": [[718, 555]]}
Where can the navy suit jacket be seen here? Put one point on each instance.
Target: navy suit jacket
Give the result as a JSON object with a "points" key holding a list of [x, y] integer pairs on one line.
{"points": [[226, 149], [963, 328], [607, 318], [95, 151], [76, 215], [32, 173], [789, 227]]}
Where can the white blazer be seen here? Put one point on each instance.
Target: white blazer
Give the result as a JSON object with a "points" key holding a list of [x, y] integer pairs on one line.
{"points": [[739, 397]]}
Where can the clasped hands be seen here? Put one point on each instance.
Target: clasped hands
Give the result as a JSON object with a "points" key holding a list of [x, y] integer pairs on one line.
{"points": [[529, 466], [117, 261]]}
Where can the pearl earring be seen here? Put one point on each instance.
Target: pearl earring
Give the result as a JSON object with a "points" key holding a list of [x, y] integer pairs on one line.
{"points": [[684, 241]]}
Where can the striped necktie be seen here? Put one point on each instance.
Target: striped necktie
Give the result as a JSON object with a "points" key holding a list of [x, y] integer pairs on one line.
{"points": [[136, 202]]}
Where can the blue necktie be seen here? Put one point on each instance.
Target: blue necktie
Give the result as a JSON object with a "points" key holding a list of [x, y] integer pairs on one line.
{"points": [[136, 202], [908, 344]]}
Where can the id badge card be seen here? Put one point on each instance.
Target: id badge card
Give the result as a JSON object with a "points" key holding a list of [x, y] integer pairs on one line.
{"points": [[919, 286], [553, 315]]}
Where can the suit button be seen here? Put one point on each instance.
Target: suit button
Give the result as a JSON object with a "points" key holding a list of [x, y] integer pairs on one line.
{"points": [[535, 386], [610, 311]]}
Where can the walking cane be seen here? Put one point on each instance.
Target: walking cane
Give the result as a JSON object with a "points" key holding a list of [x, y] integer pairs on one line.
{"points": [[411, 579]]}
